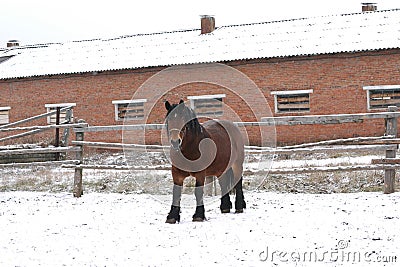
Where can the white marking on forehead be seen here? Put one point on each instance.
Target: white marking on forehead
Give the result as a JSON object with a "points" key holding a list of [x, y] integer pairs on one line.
{"points": [[175, 115]]}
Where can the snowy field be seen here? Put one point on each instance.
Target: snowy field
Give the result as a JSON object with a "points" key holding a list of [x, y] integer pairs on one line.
{"points": [[277, 229]]}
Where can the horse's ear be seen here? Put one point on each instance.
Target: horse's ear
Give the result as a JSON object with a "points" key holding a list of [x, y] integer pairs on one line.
{"points": [[167, 105], [180, 102]]}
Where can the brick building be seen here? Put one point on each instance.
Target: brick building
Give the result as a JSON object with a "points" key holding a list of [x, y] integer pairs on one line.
{"points": [[322, 65]]}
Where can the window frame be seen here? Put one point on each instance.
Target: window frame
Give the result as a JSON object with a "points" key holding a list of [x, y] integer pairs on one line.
{"points": [[51, 107], [379, 88], [193, 99], [276, 94], [6, 109], [116, 104]]}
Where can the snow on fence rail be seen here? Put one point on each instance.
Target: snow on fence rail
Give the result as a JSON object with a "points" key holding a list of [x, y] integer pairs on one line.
{"points": [[388, 143]]}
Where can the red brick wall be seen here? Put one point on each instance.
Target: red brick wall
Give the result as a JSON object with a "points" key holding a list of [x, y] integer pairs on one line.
{"points": [[336, 80]]}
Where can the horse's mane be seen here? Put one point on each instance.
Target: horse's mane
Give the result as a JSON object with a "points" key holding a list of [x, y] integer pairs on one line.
{"points": [[190, 116], [194, 123]]}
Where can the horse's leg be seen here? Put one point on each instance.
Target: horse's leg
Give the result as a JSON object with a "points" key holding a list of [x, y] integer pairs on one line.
{"points": [[199, 215], [174, 214], [225, 182], [240, 204]]}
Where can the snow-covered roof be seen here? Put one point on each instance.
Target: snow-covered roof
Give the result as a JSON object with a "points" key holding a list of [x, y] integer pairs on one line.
{"points": [[308, 36]]}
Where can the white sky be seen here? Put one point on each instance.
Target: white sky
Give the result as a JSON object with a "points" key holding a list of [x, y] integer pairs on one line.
{"points": [[44, 21]]}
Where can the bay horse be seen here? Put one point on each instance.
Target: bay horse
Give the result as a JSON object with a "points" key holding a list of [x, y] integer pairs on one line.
{"points": [[214, 148]]}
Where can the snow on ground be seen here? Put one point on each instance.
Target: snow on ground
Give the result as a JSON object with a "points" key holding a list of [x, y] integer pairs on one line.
{"points": [[55, 229], [323, 162]]}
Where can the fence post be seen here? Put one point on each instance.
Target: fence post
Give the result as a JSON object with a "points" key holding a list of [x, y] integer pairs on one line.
{"points": [[391, 129], [78, 190], [57, 137], [65, 134]]}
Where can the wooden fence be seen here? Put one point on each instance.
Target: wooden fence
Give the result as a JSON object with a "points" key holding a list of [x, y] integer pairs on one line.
{"points": [[27, 151], [388, 143]]}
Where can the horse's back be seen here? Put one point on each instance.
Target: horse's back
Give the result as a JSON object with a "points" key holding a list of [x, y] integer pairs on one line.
{"points": [[228, 139], [219, 129]]}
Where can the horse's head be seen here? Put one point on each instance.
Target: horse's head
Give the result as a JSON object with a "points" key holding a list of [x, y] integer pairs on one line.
{"points": [[177, 120]]}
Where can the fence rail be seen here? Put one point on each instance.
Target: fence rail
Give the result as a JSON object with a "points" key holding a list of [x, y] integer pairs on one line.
{"points": [[39, 150], [133, 127], [47, 127], [38, 129], [372, 167], [265, 121], [41, 164], [44, 115], [304, 148], [327, 119]]}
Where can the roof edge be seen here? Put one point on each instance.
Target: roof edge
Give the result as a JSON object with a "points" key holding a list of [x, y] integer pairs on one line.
{"points": [[194, 63]]}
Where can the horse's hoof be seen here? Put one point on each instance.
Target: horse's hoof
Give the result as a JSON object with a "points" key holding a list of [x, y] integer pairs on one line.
{"points": [[239, 211], [171, 221], [198, 219], [225, 211]]}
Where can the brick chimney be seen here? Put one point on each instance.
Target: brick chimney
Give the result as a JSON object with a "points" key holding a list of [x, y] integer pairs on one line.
{"points": [[207, 24], [12, 43], [366, 7]]}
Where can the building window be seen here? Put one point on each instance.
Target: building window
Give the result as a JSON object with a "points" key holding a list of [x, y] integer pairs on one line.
{"points": [[63, 114], [129, 109], [208, 105], [381, 97], [4, 115], [292, 101]]}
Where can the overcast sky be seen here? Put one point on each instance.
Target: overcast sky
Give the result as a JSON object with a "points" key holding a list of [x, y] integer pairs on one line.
{"points": [[45, 21]]}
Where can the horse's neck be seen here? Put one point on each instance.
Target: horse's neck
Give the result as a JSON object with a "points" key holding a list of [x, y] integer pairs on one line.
{"points": [[194, 138]]}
